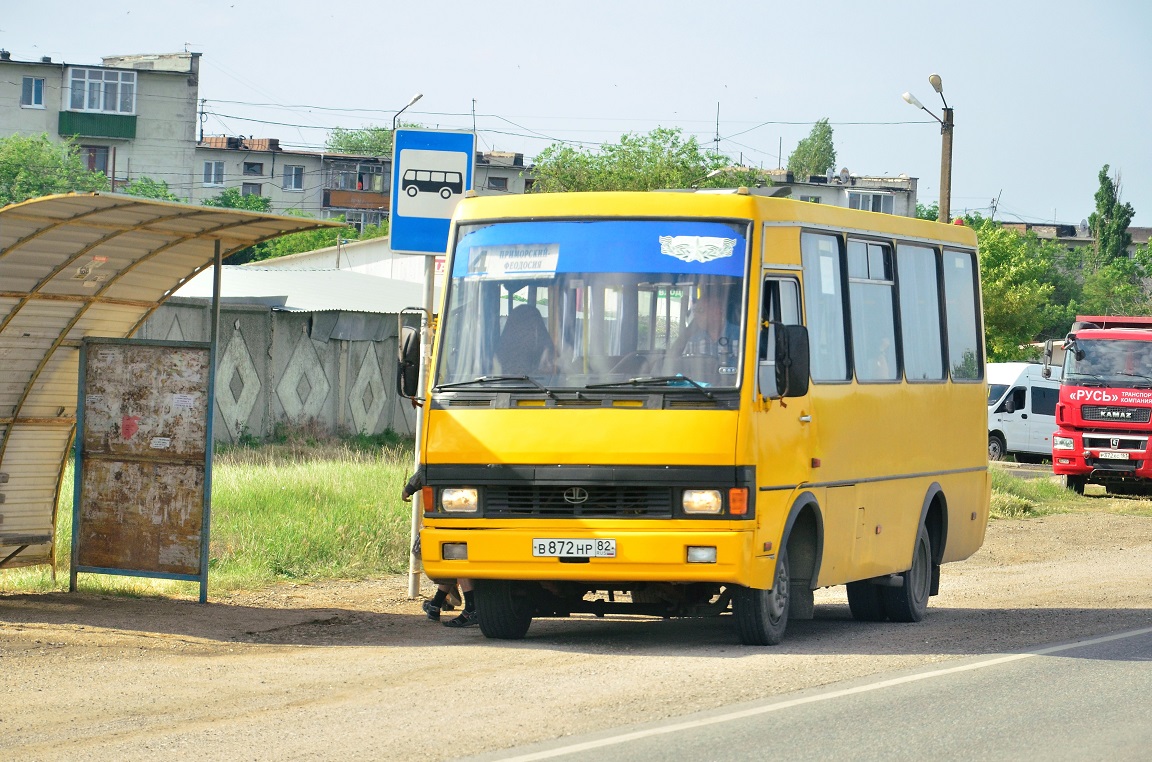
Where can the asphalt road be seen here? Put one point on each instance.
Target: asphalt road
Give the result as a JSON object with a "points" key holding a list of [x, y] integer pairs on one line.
{"points": [[1082, 700]]}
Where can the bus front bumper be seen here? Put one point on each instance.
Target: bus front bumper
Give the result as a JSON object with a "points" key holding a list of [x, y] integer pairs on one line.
{"points": [[640, 556]]}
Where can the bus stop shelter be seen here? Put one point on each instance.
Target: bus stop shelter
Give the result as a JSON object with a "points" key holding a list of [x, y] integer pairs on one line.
{"points": [[72, 267]]}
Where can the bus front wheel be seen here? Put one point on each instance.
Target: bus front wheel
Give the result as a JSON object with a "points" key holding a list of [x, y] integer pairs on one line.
{"points": [[762, 615], [412, 191], [503, 609], [909, 602]]}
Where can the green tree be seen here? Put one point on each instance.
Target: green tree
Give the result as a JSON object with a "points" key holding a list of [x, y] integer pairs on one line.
{"points": [[1109, 223], [1115, 288], [366, 141], [36, 166], [1019, 278], [231, 198], [657, 160], [815, 154], [931, 213], [146, 187]]}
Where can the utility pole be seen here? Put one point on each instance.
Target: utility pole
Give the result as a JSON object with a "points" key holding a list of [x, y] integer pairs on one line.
{"points": [[717, 142]]}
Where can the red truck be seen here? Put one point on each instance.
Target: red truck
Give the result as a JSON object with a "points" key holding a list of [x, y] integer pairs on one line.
{"points": [[1104, 416]]}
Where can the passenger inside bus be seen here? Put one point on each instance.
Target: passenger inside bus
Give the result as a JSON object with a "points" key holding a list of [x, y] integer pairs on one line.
{"points": [[524, 347], [710, 332]]}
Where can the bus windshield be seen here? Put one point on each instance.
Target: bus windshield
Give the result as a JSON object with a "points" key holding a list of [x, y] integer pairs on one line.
{"points": [[576, 304]]}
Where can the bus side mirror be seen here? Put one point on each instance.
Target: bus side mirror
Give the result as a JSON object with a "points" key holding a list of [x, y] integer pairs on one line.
{"points": [[792, 366], [787, 375], [408, 368], [1047, 371]]}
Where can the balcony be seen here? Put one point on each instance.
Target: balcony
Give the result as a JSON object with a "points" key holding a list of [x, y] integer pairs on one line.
{"points": [[350, 199], [93, 125]]}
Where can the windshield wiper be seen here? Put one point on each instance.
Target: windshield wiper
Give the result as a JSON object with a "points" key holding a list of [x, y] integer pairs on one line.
{"points": [[494, 379], [1136, 375], [1093, 376], [678, 380]]}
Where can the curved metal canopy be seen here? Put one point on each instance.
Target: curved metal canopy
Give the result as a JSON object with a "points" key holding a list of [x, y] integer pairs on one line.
{"points": [[73, 266]]}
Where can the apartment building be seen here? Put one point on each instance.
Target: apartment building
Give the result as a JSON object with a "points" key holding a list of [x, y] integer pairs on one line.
{"points": [[132, 116]]}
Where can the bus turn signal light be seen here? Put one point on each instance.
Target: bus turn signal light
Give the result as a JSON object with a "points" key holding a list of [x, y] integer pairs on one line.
{"points": [[738, 501]]}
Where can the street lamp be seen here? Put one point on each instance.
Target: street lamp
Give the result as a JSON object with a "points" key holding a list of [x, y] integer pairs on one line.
{"points": [[415, 98], [946, 125]]}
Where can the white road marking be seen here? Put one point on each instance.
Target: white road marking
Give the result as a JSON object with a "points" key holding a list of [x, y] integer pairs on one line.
{"points": [[826, 696]]}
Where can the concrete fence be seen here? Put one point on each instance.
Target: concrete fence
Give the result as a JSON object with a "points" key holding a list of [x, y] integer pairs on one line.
{"points": [[332, 371]]}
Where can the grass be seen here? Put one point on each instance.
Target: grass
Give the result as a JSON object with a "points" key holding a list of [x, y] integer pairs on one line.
{"points": [[298, 509], [305, 509], [1017, 498]]}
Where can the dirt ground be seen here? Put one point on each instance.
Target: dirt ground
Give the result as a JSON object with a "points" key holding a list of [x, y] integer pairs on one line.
{"points": [[353, 670]]}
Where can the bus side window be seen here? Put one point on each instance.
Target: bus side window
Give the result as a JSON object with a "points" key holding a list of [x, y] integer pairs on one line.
{"points": [[780, 305]]}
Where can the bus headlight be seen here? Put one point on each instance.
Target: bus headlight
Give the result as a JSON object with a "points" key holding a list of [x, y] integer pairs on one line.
{"points": [[459, 500], [1061, 443], [702, 501]]}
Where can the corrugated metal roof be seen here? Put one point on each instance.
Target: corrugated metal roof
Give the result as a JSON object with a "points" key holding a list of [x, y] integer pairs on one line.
{"points": [[308, 290], [73, 266]]}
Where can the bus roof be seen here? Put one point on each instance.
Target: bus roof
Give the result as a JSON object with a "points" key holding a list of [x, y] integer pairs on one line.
{"points": [[740, 204]]}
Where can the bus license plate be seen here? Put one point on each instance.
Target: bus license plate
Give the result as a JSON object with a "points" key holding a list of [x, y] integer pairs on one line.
{"points": [[1109, 455], [559, 548]]}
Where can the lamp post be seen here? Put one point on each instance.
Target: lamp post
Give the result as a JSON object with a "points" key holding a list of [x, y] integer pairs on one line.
{"points": [[415, 98], [946, 125], [422, 384]]}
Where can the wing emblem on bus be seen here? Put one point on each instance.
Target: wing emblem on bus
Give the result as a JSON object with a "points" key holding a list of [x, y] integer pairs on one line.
{"points": [[696, 248]]}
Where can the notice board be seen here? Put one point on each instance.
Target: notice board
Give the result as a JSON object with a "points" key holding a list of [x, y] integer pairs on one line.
{"points": [[143, 459]]}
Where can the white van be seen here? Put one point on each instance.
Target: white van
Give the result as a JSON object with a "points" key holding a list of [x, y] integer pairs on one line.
{"points": [[1021, 409]]}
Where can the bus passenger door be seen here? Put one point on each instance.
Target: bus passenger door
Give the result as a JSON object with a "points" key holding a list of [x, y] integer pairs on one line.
{"points": [[782, 426]]}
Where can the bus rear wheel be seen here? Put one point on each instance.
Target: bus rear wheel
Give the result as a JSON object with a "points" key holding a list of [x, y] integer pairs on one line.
{"points": [[762, 615], [909, 602], [503, 609], [866, 602]]}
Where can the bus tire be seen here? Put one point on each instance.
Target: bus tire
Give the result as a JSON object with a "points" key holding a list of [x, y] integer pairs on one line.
{"points": [[909, 602], [762, 615], [503, 614], [1075, 483], [997, 447], [412, 191], [866, 602], [445, 193]]}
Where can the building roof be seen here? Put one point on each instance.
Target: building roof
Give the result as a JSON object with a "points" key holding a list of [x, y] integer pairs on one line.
{"points": [[75, 266], [307, 290]]}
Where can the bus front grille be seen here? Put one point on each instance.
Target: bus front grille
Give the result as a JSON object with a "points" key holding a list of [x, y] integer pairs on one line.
{"points": [[547, 501]]}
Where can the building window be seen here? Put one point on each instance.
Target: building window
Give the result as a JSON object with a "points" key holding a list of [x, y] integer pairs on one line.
{"points": [[254, 168], [250, 189], [293, 176], [811, 199], [95, 158], [213, 173], [498, 183], [356, 176], [102, 90], [32, 94], [872, 202]]}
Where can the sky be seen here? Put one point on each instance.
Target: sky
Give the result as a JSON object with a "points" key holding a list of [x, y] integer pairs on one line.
{"points": [[1045, 92]]}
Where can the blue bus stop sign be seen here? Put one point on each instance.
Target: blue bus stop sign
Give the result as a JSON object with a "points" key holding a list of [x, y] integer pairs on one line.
{"points": [[431, 170]]}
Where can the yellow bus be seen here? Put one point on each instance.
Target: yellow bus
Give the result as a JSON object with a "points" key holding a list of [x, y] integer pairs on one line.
{"points": [[695, 404]]}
